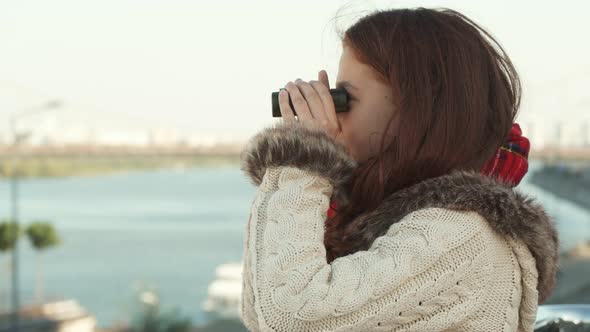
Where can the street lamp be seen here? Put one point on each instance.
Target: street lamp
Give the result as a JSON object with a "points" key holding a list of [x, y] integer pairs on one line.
{"points": [[48, 106]]}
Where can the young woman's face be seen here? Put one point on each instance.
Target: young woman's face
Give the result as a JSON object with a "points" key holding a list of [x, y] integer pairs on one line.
{"points": [[370, 108]]}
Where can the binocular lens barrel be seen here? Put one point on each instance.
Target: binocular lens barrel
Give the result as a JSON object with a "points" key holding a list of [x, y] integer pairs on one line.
{"points": [[340, 97]]}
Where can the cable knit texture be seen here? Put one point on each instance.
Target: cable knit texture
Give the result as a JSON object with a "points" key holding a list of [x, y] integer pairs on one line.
{"points": [[428, 259]]}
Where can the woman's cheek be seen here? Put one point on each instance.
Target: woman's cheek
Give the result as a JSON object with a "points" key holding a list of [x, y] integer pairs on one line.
{"points": [[348, 135], [355, 147]]}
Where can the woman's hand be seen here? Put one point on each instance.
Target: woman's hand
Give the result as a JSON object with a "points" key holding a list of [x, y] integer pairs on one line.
{"points": [[313, 104]]}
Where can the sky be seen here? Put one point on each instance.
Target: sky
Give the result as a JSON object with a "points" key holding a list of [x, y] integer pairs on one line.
{"points": [[206, 69]]}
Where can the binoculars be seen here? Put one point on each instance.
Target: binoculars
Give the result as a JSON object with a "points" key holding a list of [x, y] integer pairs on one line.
{"points": [[339, 96]]}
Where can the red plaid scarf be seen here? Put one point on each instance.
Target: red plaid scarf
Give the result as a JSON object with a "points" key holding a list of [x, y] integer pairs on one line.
{"points": [[509, 164]]}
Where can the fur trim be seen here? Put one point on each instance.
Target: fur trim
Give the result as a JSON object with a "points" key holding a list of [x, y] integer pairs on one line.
{"points": [[508, 211], [293, 144]]}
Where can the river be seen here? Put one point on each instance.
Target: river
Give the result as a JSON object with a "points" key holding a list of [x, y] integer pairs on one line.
{"points": [[168, 229]]}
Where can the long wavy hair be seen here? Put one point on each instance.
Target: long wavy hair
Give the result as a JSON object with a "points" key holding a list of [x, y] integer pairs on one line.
{"points": [[456, 94]]}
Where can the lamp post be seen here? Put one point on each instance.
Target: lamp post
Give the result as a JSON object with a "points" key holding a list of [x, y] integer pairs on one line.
{"points": [[52, 104]]}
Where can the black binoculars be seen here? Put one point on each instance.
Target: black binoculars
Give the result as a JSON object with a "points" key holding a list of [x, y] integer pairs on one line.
{"points": [[340, 97]]}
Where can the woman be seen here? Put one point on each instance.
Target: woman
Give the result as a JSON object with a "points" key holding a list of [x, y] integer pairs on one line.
{"points": [[429, 234]]}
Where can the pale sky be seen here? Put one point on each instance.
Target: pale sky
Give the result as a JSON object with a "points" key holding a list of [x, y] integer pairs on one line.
{"points": [[208, 68]]}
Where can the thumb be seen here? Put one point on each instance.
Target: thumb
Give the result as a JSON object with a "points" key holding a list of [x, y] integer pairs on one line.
{"points": [[323, 77]]}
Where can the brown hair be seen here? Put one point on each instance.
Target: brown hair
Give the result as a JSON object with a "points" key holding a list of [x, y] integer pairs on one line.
{"points": [[456, 95]]}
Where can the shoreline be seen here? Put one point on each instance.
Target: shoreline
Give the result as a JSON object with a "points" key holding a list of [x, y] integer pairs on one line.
{"points": [[566, 182], [73, 166]]}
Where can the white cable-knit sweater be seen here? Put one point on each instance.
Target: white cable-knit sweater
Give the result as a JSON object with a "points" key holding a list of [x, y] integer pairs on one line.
{"points": [[435, 269]]}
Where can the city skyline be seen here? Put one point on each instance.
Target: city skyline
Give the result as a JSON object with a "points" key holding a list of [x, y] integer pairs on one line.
{"points": [[47, 132]]}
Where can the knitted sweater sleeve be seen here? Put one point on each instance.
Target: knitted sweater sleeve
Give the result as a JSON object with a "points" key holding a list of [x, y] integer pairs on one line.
{"points": [[428, 272], [406, 278]]}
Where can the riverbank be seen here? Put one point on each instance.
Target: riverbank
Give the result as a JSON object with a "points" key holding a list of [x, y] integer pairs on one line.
{"points": [[75, 165], [567, 181], [226, 325]]}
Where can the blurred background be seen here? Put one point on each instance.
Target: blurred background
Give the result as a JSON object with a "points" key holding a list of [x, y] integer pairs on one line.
{"points": [[122, 203]]}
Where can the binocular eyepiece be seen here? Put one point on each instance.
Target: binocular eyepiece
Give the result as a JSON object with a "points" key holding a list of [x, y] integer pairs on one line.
{"points": [[339, 96]]}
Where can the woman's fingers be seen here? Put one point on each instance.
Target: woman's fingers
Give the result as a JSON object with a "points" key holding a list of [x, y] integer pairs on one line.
{"points": [[301, 108], [322, 88], [314, 101], [286, 111], [313, 104], [323, 77]]}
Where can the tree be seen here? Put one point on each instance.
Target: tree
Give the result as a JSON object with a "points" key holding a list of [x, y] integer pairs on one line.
{"points": [[9, 234], [42, 236]]}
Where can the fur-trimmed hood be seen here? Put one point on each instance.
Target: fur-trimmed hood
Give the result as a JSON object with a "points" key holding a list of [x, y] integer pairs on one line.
{"points": [[508, 211]]}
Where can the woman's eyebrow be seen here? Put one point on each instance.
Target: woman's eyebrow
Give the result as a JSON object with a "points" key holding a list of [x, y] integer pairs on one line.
{"points": [[343, 84]]}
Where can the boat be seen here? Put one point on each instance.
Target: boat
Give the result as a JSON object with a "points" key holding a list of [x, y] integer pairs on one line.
{"points": [[61, 315], [224, 292]]}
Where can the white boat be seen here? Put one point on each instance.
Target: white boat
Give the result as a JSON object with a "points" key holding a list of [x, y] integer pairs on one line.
{"points": [[58, 315], [224, 292]]}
